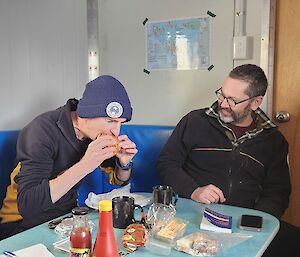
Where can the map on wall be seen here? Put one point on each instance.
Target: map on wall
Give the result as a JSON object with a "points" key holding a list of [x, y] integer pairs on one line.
{"points": [[181, 44]]}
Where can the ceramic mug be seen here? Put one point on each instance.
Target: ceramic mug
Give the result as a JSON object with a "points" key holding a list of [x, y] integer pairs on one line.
{"points": [[164, 195], [123, 211]]}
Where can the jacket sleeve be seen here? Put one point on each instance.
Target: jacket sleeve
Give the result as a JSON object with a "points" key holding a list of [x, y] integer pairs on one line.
{"points": [[35, 152], [277, 187], [171, 160], [109, 167]]}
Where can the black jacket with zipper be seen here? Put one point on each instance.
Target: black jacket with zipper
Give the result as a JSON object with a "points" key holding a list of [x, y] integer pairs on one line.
{"points": [[252, 171]]}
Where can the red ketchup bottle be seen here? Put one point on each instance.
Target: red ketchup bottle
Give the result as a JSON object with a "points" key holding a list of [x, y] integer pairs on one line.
{"points": [[106, 244], [80, 238]]}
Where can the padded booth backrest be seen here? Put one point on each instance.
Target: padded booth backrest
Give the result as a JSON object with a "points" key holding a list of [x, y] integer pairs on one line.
{"points": [[149, 140], [8, 141]]}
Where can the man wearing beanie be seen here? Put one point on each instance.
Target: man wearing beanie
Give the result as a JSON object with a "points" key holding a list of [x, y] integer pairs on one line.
{"points": [[59, 148]]}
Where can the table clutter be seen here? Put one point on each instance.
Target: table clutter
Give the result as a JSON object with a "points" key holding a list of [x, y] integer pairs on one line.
{"points": [[143, 239], [160, 230]]}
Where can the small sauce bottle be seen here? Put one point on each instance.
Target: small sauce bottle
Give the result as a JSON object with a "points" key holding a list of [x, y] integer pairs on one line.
{"points": [[106, 244], [80, 238]]}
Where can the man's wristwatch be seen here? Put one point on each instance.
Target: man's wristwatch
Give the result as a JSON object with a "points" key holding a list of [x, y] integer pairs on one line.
{"points": [[128, 166]]}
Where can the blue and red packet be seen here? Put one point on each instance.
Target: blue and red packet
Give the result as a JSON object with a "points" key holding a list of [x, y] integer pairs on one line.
{"points": [[215, 221]]}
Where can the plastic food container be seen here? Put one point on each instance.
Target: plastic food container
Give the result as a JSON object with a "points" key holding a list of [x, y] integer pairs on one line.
{"points": [[162, 240]]}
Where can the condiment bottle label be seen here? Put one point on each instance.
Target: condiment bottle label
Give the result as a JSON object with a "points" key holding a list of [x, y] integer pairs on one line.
{"points": [[80, 252]]}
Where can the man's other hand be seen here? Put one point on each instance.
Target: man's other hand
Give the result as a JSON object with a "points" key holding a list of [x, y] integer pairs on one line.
{"points": [[208, 194]]}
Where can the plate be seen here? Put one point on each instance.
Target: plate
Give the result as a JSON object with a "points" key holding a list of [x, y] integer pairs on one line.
{"points": [[142, 200], [93, 200], [91, 204]]}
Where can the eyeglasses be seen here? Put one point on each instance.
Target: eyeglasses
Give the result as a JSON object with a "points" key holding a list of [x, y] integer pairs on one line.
{"points": [[232, 103]]}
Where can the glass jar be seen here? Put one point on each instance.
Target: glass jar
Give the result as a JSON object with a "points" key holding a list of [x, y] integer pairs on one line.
{"points": [[80, 238]]}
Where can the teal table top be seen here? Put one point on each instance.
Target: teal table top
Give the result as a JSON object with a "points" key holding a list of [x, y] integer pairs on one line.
{"points": [[186, 209]]}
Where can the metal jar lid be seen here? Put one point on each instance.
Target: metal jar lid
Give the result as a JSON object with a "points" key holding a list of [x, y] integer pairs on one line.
{"points": [[80, 211]]}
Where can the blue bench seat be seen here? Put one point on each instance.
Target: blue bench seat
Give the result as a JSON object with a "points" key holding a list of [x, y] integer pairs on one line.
{"points": [[149, 140]]}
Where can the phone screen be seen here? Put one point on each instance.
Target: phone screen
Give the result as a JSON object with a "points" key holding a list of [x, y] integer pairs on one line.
{"points": [[251, 222]]}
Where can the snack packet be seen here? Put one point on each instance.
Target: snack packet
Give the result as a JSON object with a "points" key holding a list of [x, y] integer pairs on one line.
{"points": [[173, 229], [133, 237], [197, 244]]}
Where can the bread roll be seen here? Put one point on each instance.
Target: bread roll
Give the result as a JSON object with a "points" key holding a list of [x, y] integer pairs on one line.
{"points": [[118, 148]]}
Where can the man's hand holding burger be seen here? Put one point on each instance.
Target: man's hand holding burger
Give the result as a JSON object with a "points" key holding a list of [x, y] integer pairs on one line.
{"points": [[127, 150]]}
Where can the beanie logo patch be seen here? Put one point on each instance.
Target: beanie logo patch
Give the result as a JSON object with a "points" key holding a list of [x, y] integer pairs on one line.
{"points": [[114, 110]]}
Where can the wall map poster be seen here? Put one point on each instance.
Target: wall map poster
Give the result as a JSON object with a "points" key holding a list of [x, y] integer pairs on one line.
{"points": [[182, 44]]}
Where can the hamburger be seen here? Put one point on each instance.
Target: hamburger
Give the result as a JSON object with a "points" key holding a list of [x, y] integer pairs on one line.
{"points": [[116, 145]]}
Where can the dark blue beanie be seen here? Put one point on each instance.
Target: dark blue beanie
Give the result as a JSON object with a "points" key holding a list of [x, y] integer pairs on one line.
{"points": [[104, 96]]}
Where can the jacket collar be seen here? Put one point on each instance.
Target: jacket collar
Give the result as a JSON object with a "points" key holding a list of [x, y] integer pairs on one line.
{"points": [[65, 124], [261, 121]]}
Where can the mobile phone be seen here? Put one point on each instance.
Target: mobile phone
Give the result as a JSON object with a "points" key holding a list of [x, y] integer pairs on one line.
{"points": [[251, 222]]}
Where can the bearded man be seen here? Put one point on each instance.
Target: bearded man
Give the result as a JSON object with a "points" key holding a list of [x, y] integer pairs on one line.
{"points": [[230, 153]]}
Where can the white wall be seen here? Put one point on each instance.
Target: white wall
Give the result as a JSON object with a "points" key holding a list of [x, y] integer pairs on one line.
{"points": [[163, 97], [43, 57]]}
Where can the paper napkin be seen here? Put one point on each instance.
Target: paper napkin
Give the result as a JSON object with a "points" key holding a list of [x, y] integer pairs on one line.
{"points": [[39, 250]]}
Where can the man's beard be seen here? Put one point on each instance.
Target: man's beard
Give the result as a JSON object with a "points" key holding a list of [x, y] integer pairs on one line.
{"points": [[234, 117]]}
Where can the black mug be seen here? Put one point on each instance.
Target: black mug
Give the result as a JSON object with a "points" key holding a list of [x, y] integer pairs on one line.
{"points": [[123, 211], [164, 195]]}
